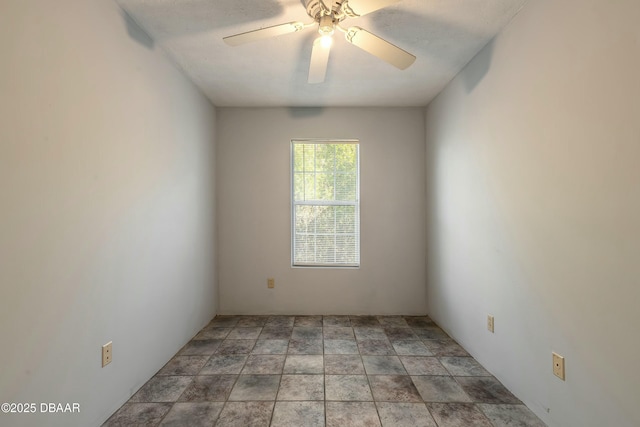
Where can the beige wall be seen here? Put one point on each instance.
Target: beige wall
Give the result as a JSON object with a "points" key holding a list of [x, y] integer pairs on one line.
{"points": [[254, 213], [534, 209], [107, 208]]}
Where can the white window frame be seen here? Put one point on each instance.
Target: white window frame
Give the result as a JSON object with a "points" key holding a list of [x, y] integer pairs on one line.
{"points": [[355, 203]]}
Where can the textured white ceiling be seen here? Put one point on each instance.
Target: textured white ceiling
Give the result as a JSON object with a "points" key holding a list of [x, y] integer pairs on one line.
{"points": [[443, 34]]}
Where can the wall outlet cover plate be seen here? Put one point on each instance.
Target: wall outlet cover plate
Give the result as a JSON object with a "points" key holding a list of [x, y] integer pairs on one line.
{"points": [[490, 323], [107, 354], [558, 366]]}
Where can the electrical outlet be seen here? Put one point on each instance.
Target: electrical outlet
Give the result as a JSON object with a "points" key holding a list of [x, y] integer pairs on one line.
{"points": [[558, 366], [271, 283], [490, 323], [106, 354]]}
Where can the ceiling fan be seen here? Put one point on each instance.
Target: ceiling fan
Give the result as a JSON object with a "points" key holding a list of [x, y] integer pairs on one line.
{"points": [[328, 18]]}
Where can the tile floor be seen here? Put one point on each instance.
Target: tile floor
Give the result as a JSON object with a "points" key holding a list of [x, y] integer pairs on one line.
{"points": [[307, 371]]}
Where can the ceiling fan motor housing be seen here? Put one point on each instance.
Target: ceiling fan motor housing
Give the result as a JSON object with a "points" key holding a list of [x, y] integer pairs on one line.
{"points": [[334, 5], [314, 8], [317, 8]]}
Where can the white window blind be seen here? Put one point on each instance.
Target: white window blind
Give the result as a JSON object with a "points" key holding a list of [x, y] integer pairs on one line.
{"points": [[325, 188]]}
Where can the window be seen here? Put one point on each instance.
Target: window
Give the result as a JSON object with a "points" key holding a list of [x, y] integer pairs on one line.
{"points": [[325, 190]]}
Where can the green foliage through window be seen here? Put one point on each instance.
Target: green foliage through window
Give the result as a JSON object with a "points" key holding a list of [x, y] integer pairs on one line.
{"points": [[326, 206]]}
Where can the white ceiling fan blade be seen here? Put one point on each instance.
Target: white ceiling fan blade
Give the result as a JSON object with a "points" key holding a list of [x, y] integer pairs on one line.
{"points": [[319, 60], [263, 33], [362, 7], [379, 47]]}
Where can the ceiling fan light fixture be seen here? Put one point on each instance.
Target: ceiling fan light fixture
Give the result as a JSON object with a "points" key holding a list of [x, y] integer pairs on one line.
{"points": [[326, 41], [327, 25], [326, 32]]}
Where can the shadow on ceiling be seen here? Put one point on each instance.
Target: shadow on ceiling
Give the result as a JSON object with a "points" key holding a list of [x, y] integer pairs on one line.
{"points": [[200, 16], [135, 32], [422, 35]]}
